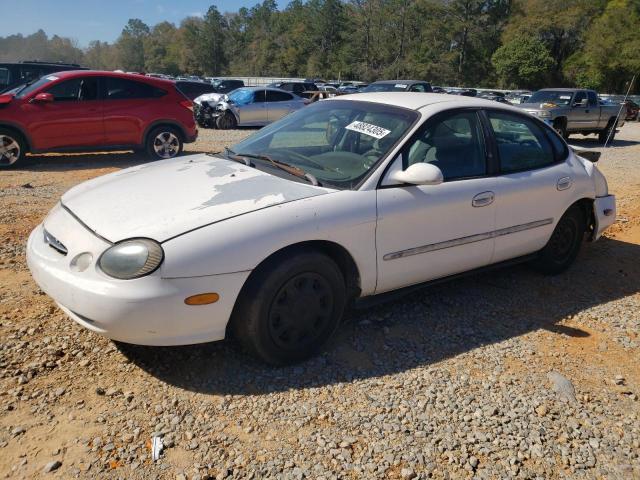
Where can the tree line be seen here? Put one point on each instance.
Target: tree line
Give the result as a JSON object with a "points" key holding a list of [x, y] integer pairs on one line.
{"points": [[500, 43]]}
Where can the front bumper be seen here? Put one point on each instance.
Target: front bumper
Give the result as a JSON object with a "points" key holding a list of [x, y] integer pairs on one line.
{"points": [[145, 311], [604, 212]]}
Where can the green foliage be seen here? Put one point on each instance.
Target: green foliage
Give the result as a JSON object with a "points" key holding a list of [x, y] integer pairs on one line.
{"points": [[611, 54], [517, 43], [523, 62]]}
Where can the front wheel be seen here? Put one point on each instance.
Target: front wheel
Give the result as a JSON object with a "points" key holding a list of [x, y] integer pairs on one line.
{"points": [[164, 143], [227, 121], [563, 246], [12, 148], [290, 307]]}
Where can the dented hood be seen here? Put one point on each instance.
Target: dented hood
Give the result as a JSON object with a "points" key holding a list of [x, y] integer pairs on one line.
{"points": [[167, 198]]}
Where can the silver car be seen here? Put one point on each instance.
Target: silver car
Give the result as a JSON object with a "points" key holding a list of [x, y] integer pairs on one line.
{"points": [[255, 107]]}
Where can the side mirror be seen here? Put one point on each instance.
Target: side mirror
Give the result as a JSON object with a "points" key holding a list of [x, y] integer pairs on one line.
{"points": [[42, 98], [419, 174]]}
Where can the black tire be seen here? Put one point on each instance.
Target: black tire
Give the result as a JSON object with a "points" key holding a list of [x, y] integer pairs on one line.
{"points": [[560, 126], [12, 148], [164, 142], [563, 246], [290, 307], [226, 122], [604, 134]]}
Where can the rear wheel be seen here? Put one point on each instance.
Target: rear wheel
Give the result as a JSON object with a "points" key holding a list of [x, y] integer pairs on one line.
{"points": [[290, 307], [563, 246], [12, 148], [227, 121], [164, 142], [608, 133], [560, 126]]}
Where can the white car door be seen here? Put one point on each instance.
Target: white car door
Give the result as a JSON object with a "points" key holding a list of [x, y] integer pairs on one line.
{"points": [[426, 232], [535, 185]]}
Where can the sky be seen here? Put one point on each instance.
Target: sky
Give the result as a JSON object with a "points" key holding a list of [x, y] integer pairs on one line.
{"points": [[86, 20]]}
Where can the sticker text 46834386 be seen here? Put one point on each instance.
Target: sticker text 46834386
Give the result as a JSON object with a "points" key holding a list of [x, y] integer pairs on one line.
{"points": [[368, 129]]}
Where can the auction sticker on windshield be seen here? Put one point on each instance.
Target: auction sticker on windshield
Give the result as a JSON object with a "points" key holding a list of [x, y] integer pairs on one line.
{"points": [[368, 129]]}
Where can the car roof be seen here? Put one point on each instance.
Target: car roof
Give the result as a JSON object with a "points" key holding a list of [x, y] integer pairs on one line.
{"points": [[106, 73], [401, 82], [563, 89], [266, 88], [419, 100]]}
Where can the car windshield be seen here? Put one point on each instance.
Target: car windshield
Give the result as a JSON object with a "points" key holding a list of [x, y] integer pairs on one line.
{"points": [[387, 87], [34, 85], [336, 141], [549, 96], [241, 96]]}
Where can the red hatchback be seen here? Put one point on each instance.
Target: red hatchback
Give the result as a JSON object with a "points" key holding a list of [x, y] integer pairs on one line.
{"points": [[92, 110]]}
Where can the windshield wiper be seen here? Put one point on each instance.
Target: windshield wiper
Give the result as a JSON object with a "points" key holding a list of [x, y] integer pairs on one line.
{"points": [[231, 155], [295, 171]]}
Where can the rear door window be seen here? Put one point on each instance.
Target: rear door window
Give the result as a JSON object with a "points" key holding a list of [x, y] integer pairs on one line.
{"points": [[593, 99], [124, 89], [275, 96], [522, 145]]}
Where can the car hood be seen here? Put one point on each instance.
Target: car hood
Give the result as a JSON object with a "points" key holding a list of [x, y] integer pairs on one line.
{"points": [[209, 97], [167, 198]]}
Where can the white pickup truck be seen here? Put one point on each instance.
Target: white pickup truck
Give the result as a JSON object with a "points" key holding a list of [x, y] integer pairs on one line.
{"points": [[570, 110]]}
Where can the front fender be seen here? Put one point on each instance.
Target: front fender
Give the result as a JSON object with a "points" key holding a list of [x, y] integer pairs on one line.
{"points": [[347, 218]]}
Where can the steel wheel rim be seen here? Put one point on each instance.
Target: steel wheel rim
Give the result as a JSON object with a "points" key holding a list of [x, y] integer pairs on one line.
{"points": [[166, 145], [562, 240], [301, 311], [9, 150]]}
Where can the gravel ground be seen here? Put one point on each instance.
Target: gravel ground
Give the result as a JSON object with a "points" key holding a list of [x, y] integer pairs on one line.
{"points": [[500, 375]]}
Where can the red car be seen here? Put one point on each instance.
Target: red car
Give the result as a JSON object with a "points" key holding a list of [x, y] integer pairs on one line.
{"points": [[92, 110]]}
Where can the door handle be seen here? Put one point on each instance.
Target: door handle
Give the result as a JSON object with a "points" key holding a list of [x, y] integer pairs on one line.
{"points": [[483, 199], [564, 183]]}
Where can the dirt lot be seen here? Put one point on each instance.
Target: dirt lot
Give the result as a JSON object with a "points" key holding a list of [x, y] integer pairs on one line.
{"points": [[456, 381]]}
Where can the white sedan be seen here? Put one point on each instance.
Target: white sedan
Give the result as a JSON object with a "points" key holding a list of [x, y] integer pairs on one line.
{"points": [[345, 199]]}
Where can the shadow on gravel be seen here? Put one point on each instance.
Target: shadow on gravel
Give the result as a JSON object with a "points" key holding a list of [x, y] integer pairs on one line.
{"points": [[85, 161], [422, 328]]}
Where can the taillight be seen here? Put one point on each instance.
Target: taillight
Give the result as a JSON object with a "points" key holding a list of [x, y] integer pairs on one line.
{"points": [[188, 104]]}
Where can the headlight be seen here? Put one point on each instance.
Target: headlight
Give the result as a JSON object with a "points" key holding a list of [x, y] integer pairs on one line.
{"points": [[544, 113], [132, 259]]}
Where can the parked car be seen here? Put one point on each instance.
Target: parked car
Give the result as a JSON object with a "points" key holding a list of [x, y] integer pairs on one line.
{"points": [[494, 96], [398, 86], [93, 110], [193, 90], [301, 89], [13, 75], [438, 90], [226, 85], [252, 107], [346, 199], [570, 110]]}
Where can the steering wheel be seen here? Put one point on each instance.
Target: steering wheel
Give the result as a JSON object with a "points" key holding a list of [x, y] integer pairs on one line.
{"points": [[307, 160]]}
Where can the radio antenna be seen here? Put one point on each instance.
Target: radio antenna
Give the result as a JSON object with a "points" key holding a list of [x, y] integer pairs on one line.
{"points": [[622, 105]]}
